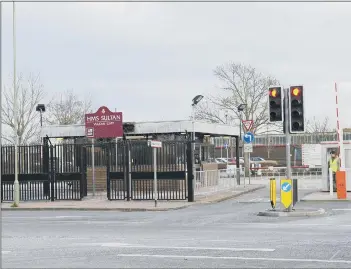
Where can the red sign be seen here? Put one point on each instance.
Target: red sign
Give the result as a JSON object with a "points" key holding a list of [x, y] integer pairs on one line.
{"points": [[248, 124], [104, 124]]}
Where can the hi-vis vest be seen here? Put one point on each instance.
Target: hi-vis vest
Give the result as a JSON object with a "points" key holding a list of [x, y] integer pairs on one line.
{"points": [[334, 164]]}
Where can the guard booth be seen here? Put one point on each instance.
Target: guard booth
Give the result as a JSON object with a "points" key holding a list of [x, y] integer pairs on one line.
{"points": [[326, 148]]}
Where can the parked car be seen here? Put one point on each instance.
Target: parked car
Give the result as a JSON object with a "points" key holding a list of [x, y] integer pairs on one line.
{"points": [[263, 162]]}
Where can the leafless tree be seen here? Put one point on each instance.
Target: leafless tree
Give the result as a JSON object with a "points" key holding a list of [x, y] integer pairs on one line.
{"points": [[30, 92], [321, 128], [67, 109], [239, 84]]}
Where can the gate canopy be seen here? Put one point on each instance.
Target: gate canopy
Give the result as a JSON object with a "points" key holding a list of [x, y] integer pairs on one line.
{"points": [[147, 128]]}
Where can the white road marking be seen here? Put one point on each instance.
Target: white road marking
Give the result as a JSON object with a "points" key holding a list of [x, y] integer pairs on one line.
{"points": [[233, 258], [5, 251], [278, 225], [187, 247], [335, 254], [341, 209], [51, 217]]}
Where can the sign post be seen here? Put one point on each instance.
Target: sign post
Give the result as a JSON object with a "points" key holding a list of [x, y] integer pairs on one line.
{"points": [[102, 124], [93, 163], [287, 138], [155, 144], [226, 147], [248, 148]]}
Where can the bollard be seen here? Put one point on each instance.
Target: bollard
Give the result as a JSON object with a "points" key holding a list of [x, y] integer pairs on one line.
{"points": [[273, 192], [295, 192]]}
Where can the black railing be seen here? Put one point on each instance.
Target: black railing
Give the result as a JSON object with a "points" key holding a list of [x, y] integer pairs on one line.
{"points": [[44, 172]]}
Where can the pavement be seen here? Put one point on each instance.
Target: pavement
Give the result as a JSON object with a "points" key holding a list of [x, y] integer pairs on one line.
{"points": [[101, 203], [227, 234], [325, 196]]}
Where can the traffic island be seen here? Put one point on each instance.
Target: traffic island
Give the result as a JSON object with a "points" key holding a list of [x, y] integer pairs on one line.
{"points": [[293, 213]]}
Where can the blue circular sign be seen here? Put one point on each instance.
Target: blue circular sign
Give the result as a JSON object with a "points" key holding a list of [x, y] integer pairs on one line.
{"points": [[249, 137], [286, 187]]}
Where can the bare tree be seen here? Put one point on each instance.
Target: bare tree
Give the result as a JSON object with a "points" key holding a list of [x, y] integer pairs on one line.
{"points": [[67, 109], [321, 128], [30, 92], [239, 84]]}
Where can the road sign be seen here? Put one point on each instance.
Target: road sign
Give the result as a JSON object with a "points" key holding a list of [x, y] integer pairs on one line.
{"points": [[248, 148], [104, 124], [286, 192], [249, 137], [248, 124], [225, 145], [155, 144]]}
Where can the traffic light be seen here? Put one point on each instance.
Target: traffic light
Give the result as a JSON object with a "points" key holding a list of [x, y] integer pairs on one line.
{"points": [[275, 104], [296, 109]]}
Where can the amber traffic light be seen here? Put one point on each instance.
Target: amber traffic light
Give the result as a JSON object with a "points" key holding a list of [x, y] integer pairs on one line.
{"points": [[296, 109], [275, 104]]}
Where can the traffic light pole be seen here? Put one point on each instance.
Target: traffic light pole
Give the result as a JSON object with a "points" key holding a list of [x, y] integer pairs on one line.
{"points": [[287, 137]]}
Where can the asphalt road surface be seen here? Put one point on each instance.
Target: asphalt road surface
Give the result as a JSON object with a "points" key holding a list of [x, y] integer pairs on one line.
{"points": [[223, 235]]}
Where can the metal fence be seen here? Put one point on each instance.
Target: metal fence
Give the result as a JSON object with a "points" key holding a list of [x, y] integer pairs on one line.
{"points": [[55, 172], [307, 178], [131, 173], [212, 181]]}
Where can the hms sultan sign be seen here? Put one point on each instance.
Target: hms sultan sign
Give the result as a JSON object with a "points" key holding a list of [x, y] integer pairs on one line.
{"points": [[104, 124]]}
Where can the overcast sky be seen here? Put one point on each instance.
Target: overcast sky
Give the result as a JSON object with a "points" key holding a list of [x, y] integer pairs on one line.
{"points": [[148, 60]]}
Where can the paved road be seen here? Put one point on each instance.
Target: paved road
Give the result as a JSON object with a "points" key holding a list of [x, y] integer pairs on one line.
{"points": [[224, 235]]}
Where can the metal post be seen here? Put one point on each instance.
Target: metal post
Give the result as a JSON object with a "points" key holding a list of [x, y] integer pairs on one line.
{"points": [[116, 153], [41, 118], [237, 160], [16, 183], [155, 176], [193, 138], [93, 163], [241, 139], [0, 94], [287, 137], [249, 168]]}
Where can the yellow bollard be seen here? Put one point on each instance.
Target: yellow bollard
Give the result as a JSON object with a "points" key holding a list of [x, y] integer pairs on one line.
{"points": [[273, 192]]}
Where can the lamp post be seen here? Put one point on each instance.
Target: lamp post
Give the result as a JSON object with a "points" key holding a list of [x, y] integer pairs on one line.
{"points": [[40, 108], [16, 197], [0, 93], [241, 108], [195, 101]]}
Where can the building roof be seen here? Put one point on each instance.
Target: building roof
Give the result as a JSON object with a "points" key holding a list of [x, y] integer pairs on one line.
{"points": [[144, 128]]}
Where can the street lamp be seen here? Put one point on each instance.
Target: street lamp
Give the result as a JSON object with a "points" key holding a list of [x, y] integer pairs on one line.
{"points": [[40, 108], [195, 101], [241, 108], [16, 190]]}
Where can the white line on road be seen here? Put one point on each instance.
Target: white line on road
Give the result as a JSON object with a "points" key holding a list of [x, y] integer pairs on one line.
{"points": [[5, 251], [51, 217], [187, 247], [341, 209], [278, 225], [335, 254], [233, 258]]}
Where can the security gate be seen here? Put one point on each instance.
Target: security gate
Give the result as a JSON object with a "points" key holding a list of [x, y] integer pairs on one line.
{"points": [[130, 173]]}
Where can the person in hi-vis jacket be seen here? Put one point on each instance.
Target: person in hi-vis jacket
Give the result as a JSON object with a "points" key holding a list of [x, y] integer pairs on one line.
{"points": [[333, 165]]}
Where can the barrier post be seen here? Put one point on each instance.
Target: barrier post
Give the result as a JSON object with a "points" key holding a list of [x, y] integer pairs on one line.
{"points": [[331, 182], [295, 192], [341, 184], [273, 192]]}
